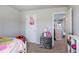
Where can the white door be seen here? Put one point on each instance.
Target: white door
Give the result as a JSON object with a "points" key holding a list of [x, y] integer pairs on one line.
{"points": [[68, 22], [31, 28]]}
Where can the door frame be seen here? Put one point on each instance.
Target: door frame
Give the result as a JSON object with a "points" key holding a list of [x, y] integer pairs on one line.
{"points": [[63, 12]]}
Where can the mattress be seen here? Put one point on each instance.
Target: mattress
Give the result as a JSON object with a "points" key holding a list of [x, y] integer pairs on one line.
{"points": [[11, 45]]}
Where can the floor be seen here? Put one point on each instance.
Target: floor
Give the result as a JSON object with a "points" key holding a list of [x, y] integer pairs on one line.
{"points": [[59, 47]]}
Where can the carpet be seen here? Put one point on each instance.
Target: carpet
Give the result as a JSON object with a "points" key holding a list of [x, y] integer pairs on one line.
{"points": [[60, 46]]}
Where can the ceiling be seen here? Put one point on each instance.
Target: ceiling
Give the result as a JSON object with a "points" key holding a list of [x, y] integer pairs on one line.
{"points": [[34, 7]]}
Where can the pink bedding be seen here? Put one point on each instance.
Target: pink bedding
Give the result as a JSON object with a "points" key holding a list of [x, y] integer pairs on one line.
{"points": [[14, 47], [2, 47]]}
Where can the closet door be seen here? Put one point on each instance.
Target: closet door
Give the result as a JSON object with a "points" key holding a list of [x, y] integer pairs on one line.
{"points": [[68, 21]]}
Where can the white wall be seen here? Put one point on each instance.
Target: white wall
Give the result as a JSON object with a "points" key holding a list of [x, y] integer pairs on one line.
{"points": [[44, 18], [75, 9], [10, 21]]}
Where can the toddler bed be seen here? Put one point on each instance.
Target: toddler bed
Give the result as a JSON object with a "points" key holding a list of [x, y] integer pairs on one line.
{"points": [[12, 45]]}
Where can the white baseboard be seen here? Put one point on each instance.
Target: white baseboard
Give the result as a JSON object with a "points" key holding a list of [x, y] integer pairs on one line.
{"points": [[34, 42]]}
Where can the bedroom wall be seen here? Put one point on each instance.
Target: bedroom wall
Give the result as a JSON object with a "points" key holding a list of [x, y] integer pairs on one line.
{"points": [[44, 18], [75, 9], [10, 21]]}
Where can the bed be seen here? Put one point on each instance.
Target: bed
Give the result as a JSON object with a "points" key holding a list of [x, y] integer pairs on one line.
{"points": [[12, 45]]}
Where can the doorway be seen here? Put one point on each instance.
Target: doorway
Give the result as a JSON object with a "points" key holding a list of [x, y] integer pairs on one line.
{"points": [[59, 26], [62, 26]]}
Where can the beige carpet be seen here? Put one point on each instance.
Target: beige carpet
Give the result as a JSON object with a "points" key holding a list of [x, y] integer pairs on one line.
{"points": [[59, 47]]}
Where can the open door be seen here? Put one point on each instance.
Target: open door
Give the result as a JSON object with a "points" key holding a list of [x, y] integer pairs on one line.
{"points": [[68, 21]]}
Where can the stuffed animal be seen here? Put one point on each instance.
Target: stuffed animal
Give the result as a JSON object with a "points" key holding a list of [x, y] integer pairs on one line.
{"points": [[21, 37]]}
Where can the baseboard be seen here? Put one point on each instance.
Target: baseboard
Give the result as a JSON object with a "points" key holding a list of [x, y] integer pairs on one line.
{"points": [[34, 42]]}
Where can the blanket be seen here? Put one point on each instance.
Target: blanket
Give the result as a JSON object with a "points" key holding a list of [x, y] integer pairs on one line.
{"points": [[11, 45]]}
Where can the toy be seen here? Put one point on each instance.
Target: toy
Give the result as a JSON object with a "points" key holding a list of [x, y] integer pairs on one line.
{"points": [[21, 37]]}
